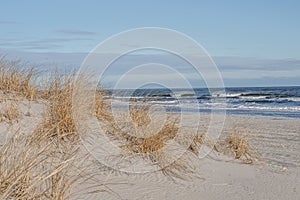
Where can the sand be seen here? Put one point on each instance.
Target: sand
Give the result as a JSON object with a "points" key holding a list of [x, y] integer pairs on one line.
{"points": [[276, 175]]}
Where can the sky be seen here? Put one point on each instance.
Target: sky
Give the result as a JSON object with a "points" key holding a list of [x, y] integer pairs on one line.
{"points": [[254, 43]]}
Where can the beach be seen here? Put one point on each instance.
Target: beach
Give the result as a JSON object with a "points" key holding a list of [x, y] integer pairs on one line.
{"points": [[150, 100], [274, 174]]}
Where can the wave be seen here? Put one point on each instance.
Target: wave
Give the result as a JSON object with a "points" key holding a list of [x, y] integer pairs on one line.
{"points": [[258, 101], [158, 95], [254, 97], [187, 95], [268, 101], [285, 108]]}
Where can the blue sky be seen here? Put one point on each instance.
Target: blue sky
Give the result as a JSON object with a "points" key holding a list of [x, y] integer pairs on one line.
{"points": [[258, 38]]}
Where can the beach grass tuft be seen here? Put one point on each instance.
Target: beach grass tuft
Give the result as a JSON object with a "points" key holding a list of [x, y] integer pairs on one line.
{"points": [[18, 81], [11, 112], [41, 170], [58, 120], [240, 146]]}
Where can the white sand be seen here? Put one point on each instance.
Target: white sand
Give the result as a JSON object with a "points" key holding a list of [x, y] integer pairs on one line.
{"points": [[277, 176]]}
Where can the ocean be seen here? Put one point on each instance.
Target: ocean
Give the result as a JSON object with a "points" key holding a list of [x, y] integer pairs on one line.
{"points": [[274, 102]]}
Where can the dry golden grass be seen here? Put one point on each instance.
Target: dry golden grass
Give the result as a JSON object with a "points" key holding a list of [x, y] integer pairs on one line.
{"points": [[240, 147], [197, 141], [152, 144], [40, 170], [18, 81], [151, 148], [47, 163], [59, 120], [102, 107], [57, 91], [237, 144], [140, 115], [11, 113]]}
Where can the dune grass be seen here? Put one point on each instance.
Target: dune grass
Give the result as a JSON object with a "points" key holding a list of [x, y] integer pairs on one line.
{"points": [[58, 119], [11, 112], [40, 170], [45, 163], [239, 145], [140, 115], [17, 81], [151, 146]]}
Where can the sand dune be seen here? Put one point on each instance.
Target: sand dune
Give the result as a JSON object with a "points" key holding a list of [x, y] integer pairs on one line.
{"points": [[275, 175]]}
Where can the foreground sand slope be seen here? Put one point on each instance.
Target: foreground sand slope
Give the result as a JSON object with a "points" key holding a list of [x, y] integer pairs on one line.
{"points": [[221, 180], [275, 176]]}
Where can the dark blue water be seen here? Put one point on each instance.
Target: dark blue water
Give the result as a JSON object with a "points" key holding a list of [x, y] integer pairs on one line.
{"points": [[252, 101]]}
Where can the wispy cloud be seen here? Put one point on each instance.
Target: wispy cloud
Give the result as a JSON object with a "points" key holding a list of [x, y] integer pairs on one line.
{"points": [[235, 71], [255, 64], [76, 32], [7, 22], [40, 44]]}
